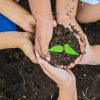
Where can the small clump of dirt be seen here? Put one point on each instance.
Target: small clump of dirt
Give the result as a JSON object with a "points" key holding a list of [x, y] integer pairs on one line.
{"points": [[62, 36]]}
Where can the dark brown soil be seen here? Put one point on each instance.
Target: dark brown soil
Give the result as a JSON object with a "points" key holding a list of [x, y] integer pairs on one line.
{"points": [[20, 79], [62, 36]]}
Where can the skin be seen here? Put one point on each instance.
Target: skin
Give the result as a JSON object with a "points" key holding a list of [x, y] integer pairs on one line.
{"points": [[66, 12], [84, 15], [41, 11], [64, 78], [90, 57], [19, 17], [20, 40], [87, 13]]}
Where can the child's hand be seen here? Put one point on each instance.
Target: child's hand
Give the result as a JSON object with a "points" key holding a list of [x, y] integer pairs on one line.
{"points": [[27, 46], [66, 12], [18, 40], [64, 78], [60, 76], [44, 21], [87, 57], [44, 32]]}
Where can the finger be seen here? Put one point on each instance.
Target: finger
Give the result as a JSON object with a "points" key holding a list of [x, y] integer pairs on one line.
{"points": [[83, 60], [82, 45], [77, 61], [69, 27], [54, 23], [43, 42], [43, 53], [48, 67], [69, 66], [37, 47], [31, 55], [72, 65]]}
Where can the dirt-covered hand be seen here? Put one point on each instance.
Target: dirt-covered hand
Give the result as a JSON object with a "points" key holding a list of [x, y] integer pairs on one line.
{"points": [[27, 46], [66, 12], [60, 76], [88, 56], [85, 58], [44, 32]]}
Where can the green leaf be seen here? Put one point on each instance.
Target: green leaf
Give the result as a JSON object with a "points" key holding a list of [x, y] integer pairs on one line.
{"points": [[69, 50], [57, 48]]}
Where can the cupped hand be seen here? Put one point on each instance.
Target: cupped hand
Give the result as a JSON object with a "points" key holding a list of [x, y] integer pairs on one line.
{"points": [[26, 44], [60, 76], [44, 32], [85, 58]]}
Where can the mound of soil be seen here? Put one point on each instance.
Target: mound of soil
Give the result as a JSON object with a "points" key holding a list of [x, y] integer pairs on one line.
{"points": [[20, 79], [61, 36]]}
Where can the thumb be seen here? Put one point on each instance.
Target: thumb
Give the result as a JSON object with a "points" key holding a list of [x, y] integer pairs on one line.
{"points": [[29, 52], [54, 23], [45, 65]]}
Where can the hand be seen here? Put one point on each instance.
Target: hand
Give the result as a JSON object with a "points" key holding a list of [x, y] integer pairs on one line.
{"points": [[29, 24], [60, 76], [64, 78], [26, 45], [66, 12], [87, 57], [44, 32]]}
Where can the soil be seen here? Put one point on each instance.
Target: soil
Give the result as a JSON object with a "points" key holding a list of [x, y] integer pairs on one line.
{"points": [[20, 79], [62, 36]]}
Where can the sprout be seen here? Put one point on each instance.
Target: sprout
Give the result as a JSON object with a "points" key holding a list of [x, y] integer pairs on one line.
{"points": [[66, 48]]}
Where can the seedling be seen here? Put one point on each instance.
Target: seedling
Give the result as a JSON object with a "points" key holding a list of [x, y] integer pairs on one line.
{"points": [[66, 48]]}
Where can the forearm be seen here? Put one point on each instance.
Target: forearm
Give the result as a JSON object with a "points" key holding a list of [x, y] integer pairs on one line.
{"points": [[41, 10], [66, 93], [9, 40], [66, 9], [16, 13]]}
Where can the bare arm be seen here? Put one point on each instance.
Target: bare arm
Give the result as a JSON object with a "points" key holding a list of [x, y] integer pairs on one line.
{"points": [[17, 14], [67, 93], [19, 40], [64, 78], [66, 11], [9, 40], [41, 10]]}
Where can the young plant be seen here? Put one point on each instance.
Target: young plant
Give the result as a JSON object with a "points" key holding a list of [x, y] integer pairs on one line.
{"points": [[66, 48]]}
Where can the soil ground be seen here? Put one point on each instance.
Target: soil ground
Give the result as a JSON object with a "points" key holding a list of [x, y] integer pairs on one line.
{"points": [[20, 79]]}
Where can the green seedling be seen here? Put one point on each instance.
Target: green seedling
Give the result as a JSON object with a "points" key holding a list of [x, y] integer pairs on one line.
{"points": [[66, 48]]}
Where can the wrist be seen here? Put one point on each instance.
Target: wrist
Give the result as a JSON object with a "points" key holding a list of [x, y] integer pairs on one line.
{"points": [[45, 22], [28, 23], [68, 92]]}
